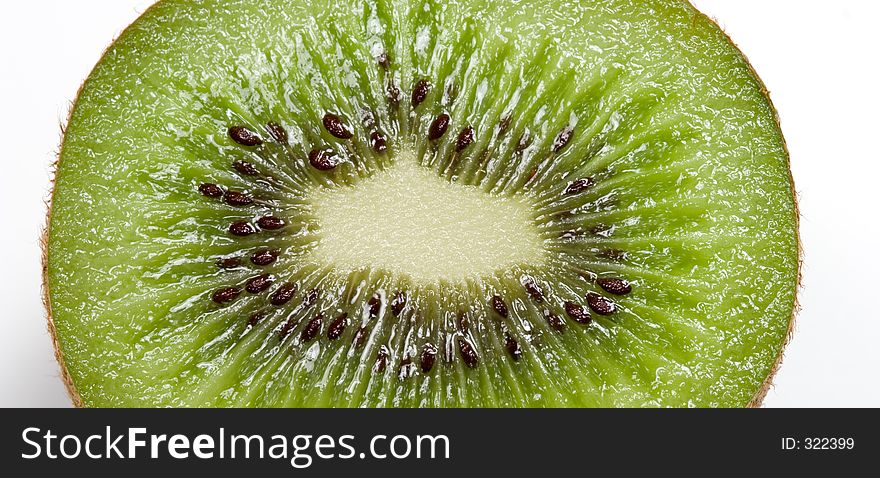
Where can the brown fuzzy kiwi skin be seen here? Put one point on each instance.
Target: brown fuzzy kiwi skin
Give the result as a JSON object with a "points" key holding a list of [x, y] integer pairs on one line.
{"points": [[75, 398], [72, 392], [756, 401]]}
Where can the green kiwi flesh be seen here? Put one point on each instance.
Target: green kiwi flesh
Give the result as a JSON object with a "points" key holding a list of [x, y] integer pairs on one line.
{"points": [[421, 204]]}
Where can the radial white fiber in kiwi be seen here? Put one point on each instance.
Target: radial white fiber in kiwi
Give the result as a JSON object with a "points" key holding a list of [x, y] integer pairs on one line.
{"points": [[421, 204]]}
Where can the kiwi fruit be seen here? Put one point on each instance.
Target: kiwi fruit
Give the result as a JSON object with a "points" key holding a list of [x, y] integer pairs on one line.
{"points": [[421, 204]]}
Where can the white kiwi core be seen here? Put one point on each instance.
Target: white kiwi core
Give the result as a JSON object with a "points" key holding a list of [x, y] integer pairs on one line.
{"points": [[408, 220]]}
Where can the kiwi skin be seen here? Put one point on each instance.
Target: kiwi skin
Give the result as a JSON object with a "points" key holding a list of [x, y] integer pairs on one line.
{"points": [[756, 401]]}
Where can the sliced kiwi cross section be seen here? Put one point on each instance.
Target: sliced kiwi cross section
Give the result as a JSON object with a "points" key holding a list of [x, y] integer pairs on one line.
{"points": [[421, 204]]}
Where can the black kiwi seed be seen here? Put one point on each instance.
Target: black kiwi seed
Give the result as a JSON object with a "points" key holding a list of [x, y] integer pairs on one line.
{"points": [[513, 348], [241, 228], [499, 306], [264, 257], [555, 321], [463, 322], [271, 223], [360, 337], [287, 328], [504, 125], [246, 168], [277, 132], [226, 295], [406, 368], [256, 318], [524, 142], [579, 185], [438, 127], [375, 304], [235, 198], [451, 93], [398, 303], [323, 159], [613, 254], [468, 353], [244, 136], [211, 190], [465, 138], [420, 92], [562, 138], [533, 289], [378, 142], [258, 284], [614, 286], [311, 297], [312, 329], [335, 126], [283, 294], [229, 262], [429, 356], [384, 60], [602, 230], [337, 327], [578, 313], [382, 359], [600, 305], [606, 202]]}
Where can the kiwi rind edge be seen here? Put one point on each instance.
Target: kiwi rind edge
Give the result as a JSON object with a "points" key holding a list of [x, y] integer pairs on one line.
{"points": [[756, 401]]}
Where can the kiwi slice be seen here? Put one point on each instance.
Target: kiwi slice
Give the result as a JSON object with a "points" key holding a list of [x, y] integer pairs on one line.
{"points": [[422, 204]]}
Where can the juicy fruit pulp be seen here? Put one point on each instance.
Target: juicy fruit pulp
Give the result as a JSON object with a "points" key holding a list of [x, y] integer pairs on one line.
{"points": [[394, 203]]}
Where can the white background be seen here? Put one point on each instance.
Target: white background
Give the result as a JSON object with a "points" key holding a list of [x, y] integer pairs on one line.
{"points": [[818, 58]]}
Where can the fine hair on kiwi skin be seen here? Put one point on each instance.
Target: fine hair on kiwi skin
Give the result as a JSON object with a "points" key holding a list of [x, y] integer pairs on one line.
{"points": [[77, 400]]}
